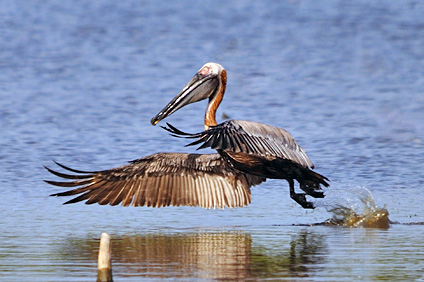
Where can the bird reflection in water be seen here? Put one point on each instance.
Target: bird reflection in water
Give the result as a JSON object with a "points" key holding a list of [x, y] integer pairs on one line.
{"points": [[206, 255]]}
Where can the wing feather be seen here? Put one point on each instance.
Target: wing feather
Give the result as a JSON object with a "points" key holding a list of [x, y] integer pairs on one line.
{"points": [[122, 195], [161, 180], [251, 138]]}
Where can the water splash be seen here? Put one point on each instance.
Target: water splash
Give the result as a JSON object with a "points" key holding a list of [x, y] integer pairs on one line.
{"points": [[354, 207]]}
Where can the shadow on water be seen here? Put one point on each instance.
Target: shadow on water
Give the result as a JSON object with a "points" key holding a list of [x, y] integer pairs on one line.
{"points": [[204, 255]]}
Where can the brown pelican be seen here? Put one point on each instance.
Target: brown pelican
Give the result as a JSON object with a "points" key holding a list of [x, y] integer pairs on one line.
{"points": [[248, 153]]}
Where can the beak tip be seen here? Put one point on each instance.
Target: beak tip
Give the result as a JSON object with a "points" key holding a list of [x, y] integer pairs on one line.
{"points": [[154, 121]]}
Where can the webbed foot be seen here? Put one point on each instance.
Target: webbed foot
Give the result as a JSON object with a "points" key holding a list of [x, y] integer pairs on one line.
{"points": [[300, 198]]}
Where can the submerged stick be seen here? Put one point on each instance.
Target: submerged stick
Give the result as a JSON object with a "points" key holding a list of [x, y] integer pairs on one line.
{"points": [[104, 265]]}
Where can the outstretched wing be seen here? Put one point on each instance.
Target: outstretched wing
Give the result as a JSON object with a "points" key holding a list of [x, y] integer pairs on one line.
{"points": [[249, 137], [161, 180]]}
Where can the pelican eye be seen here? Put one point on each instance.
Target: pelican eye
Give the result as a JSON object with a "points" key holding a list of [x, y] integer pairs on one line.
{"points": [[205, 71]]}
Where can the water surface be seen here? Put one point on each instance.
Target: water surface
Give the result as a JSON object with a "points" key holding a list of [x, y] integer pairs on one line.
{"points": [[80, 81]]}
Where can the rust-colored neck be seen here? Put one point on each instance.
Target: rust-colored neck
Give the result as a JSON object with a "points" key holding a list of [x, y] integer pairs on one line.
{"points": [[214, 102]]}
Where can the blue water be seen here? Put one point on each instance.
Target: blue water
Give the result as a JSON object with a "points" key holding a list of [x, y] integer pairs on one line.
{"points": [[80, 81]]}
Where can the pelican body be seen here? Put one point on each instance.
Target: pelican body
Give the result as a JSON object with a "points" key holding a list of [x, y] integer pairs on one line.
{"points": [[247, 154], [249, 147]]}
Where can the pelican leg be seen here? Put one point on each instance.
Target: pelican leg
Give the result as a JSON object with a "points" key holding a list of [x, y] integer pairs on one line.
{"points": [[300, 198], [312, 190]]}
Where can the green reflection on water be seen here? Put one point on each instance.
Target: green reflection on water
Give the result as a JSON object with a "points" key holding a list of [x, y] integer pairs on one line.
{"points": [[300, 258]]}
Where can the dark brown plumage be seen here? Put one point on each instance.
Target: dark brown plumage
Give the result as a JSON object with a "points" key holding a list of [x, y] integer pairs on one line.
{"points": [[261, 150]]}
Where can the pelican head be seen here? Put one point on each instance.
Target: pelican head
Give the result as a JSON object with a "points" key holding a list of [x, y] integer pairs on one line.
{"points": [[206, 83]]}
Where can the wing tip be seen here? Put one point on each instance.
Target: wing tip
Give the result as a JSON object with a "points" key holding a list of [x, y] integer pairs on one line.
{"points": [[71, 169]]}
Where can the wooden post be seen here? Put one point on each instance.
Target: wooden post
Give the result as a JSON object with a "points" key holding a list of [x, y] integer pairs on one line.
{"points": [[104, 265]]}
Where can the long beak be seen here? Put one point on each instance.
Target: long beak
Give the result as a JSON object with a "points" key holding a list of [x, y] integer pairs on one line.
{"points": [[199, 88]]}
